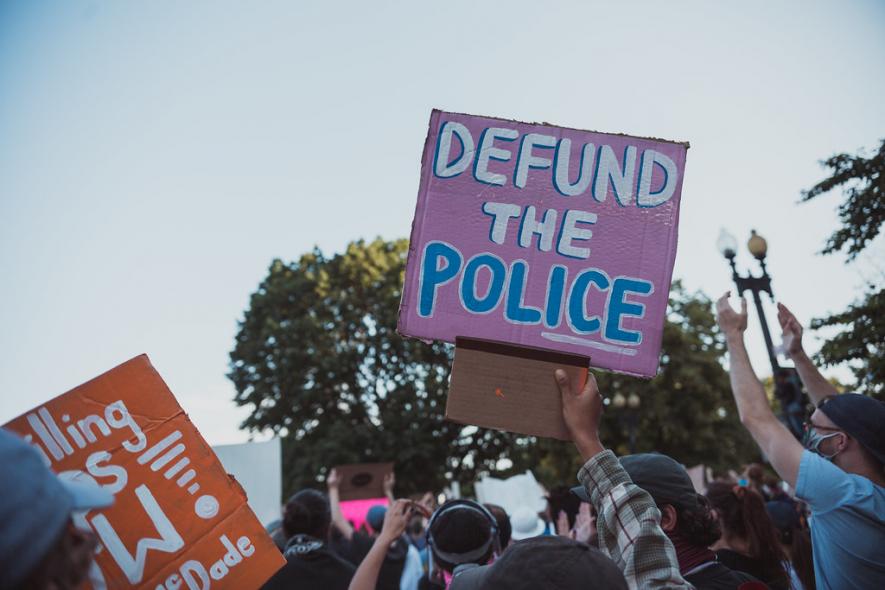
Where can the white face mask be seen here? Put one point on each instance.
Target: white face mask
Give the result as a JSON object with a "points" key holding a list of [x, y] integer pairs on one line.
{"points": [[812, 441]]}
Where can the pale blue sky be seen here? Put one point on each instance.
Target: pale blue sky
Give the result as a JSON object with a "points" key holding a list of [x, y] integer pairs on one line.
{"points": [[155, 156]]}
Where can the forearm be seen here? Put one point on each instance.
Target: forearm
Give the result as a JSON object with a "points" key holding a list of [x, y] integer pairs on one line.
{"points": [[749, 395], [338, 519], [816, 384], [366, 576], [629, 526]]}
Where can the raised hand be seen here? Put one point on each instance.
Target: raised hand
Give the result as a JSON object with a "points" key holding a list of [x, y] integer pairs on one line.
{"points": [[396, 520], [388, 483], [581, 412], [562, 524], [731, 322], [792, 330], [585, 525], [332, 480]]}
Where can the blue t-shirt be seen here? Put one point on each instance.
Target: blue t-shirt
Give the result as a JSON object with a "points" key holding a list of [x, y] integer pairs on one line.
{"points": [[847, 525]]}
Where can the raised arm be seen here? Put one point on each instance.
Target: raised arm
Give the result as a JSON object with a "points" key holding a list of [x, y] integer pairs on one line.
{"points": [[782, 449], [338, 520], [816, 384], [395, 521], [388, 483], [628, 524]]}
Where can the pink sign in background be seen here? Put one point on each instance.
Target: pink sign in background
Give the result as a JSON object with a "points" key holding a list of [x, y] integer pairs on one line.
{"points": [[546, 237], [356, 510]]}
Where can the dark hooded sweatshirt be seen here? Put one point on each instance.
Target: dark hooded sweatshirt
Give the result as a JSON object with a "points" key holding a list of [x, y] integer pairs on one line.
{"points": [[310, 564]]}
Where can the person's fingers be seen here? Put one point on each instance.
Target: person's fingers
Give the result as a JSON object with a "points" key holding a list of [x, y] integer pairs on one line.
{"points": [[743, 306], [722, 302], [562, 380], [590, 387], [782, 317]]}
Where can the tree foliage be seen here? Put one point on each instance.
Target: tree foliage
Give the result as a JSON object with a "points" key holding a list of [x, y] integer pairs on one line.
{"points": [[318, 361], [861, 214], [861, 341]]}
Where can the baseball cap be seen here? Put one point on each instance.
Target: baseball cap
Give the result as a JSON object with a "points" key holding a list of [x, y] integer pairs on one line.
{"points": [[861, 418], [662, 477], [543, 562], [375, 517], [35, 506]]}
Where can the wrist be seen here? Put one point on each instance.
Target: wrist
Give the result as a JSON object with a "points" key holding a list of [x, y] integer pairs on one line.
{"points": [[734, 338], [588, 446]]}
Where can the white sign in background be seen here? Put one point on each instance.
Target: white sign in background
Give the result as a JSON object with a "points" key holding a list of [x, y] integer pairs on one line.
{"points": [[258, 468]]}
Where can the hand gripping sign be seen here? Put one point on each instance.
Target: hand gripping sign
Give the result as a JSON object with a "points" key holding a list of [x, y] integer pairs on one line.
{"points": [[544, 237], [178, 520]]}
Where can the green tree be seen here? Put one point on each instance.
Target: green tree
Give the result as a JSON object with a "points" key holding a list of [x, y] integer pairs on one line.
{"points": [[687, 411], [318, 361], [861, 340]]}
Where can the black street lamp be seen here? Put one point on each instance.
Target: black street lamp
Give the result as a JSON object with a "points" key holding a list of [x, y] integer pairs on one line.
{"points": [[787, 385], [628, 415]]}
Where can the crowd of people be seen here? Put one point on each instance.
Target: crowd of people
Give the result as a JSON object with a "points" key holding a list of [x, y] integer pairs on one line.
{"points": [[633, 522]]}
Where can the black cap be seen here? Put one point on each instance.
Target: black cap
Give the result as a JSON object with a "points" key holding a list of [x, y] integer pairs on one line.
{"points": [[663, 477], [861, 417], [543, 562]]}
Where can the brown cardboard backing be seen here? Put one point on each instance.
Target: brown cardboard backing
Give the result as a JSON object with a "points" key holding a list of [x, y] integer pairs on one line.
{"points": [[362, 481], [512, 388]]}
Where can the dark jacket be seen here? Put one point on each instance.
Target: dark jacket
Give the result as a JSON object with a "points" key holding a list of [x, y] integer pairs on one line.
{"points": [[310, 564], [715, 576]]}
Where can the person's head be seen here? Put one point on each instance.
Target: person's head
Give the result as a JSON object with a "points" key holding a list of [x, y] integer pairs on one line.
{"points": [[794, 537], [503, 521], [756, 475], [561, 499], [307, 513], [684, 513], [460, 532], [543, 562], [847, 429], [40, 547], [743, 516], [375, 518]]}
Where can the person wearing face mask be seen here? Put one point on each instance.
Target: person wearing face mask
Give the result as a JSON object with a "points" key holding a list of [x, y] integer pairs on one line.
{"points": [[839, 472]]}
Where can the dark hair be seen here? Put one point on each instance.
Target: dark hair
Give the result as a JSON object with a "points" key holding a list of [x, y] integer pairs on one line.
{"points": [[743, 514], [561, 499], [504, 527], [756, 474], [794, 534], [307, 513], [697, 524], [801, 557], [460, 531]]}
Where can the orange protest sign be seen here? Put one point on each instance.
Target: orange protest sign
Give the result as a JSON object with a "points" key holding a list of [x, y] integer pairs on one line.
{"points": [[178, 520]]}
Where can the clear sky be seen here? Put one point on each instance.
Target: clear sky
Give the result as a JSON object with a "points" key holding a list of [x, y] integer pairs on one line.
{"points": [[156, 156]]}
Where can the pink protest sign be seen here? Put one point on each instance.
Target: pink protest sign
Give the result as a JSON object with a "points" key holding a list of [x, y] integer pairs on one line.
{"points": [[546, 237], [356, 510]]}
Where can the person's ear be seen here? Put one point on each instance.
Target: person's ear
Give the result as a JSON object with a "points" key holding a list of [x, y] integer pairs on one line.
{"points": [[668, 518]]}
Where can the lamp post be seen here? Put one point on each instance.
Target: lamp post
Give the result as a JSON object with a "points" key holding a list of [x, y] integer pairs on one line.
{"points": [[628, 414], [787, 386]]}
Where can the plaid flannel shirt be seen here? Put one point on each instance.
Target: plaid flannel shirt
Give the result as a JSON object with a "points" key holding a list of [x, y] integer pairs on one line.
{"points": [[628, 524]]}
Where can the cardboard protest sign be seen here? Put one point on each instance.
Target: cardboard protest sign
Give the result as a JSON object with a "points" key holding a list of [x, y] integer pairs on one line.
{"points": [[257, 466], [362, 481], [178, 521], [494, 385], [546, 237]]}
